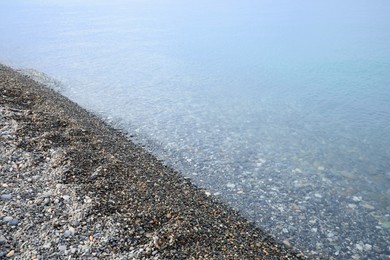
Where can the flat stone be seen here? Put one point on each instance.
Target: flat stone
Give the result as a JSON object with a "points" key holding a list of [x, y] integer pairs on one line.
{"points": [[359, 247], [7, 218], [11, 253], [6, 196], [367, 247], [230, 185], [2, 240], [62, 248], [14, 222]]}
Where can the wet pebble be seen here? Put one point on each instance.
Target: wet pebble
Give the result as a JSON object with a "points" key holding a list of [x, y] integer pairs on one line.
{"points": [[231, 185], [367, 247]]}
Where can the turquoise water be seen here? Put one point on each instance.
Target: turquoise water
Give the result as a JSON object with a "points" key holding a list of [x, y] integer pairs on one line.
{"points": [[280, 108]]}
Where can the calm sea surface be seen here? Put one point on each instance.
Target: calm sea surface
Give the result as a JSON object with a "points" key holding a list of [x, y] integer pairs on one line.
{"points": [[280, 108]]}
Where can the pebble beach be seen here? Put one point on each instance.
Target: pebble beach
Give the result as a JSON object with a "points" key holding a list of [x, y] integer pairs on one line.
{"points": [[73, 187]]}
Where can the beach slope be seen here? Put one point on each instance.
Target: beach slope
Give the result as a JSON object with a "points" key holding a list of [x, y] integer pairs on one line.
{"points": [[71, 186]]}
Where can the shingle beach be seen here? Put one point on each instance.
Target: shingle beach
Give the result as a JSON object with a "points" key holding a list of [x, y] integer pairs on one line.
{"points": [[73, 187]]}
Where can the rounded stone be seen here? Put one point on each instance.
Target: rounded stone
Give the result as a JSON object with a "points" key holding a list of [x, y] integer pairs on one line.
{"points": [[2, 240], [68, 233], [6, 196], [7, 218], [14, 222]]}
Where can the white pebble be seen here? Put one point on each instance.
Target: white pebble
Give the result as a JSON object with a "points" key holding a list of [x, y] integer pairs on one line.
{"points": [[230, 185], [367, 247]]}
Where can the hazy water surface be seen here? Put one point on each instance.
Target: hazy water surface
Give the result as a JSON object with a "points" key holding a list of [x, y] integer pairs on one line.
{"points": [[280, 108]]}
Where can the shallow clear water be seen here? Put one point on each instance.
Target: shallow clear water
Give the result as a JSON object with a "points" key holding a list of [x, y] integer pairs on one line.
{"points": [[280, 108]]}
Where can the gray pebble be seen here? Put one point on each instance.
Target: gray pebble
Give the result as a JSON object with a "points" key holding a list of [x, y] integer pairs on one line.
{"points": [[6, 196], [14, 222], [62, 248], [330, 235], [7, 218], [2, 254], [2, 240], [231, 185], [68, 233], [46, 202]]}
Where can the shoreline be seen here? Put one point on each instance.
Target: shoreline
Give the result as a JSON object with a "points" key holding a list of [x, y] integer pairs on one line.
{"points": [[73, 186]]}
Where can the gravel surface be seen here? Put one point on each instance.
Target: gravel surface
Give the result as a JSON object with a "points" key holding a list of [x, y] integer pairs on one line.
{"points": [[72, 187]]}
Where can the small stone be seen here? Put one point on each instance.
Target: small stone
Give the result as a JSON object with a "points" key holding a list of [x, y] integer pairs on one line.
{"points": [[155, 252], [357, 199], [321, 168], [47, 194], [6, 196], [2, 240], [46, 245], [386, 224], [230, 185], [68, 233], [66, 197], [46, 202], [317, 195], [62, 248], [368, 206], [10, 253], [14, 222], [359, 247], [85, 248], [287, 243], [367, 247], [7, 218], [314, 230], [71, 229]]}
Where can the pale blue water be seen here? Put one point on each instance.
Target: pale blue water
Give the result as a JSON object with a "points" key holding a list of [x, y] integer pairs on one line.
{"points": [[280, 108]]}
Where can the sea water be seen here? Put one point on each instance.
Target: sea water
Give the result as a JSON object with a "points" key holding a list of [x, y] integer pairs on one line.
{"points": [[279, 108]]}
